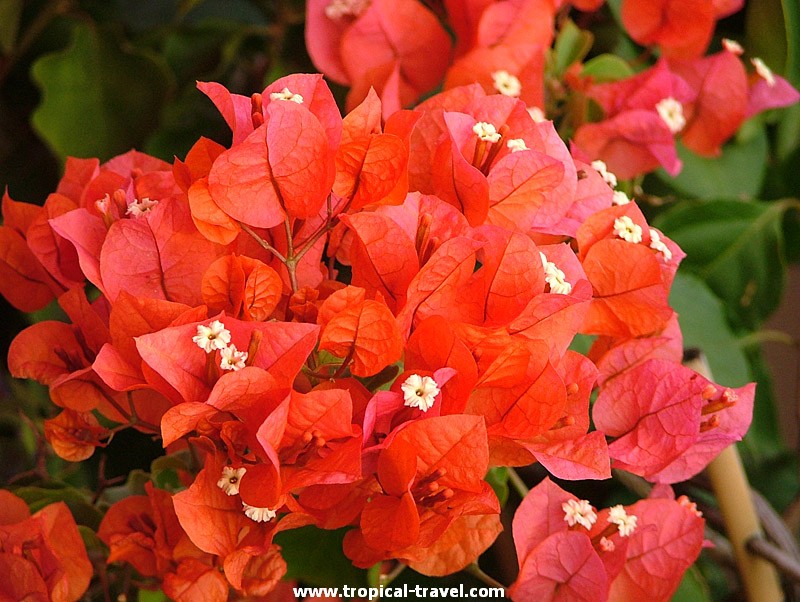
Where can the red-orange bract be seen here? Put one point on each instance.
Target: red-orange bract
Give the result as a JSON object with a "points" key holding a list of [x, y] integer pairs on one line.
{"points": [[42, 557]]}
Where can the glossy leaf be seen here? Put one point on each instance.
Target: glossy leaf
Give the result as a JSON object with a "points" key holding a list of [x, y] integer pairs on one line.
{"points": [[98, 99], [737, 249]]}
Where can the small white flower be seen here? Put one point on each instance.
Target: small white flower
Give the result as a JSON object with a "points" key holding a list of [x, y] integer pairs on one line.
{"points": [[579, 512], [659, 245], [763, 71], [211, 337], [486, 132], [626, 523], [229, 482], [346, 8], [260, 515], [602, 169], [231, 359], [671, 112], [555, 277], [419, 392], [537, 114], [104, 204], [620, 198], [687, 503], [516, 145], [286, 94], [139, 208], [627, 230], [732, 46], [506, 84], [606, 545]]}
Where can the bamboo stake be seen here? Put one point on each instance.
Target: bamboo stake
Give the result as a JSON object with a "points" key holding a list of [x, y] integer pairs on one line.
{"points": [[729, 482]]}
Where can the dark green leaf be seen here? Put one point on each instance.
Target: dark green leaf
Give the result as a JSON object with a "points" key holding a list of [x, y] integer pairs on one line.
{"points": [[571, 45], [693, 588], [315, 556], [606, 68], [77, 501], [791, 18], [736, 247], [10, 12], [166, 471], [97, 99], [148, 596], [702, 319], [498, 478], [765, 32], [737, 174]]}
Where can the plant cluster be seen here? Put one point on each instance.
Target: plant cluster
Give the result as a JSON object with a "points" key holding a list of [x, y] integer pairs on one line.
{"points": [[354, 322]]}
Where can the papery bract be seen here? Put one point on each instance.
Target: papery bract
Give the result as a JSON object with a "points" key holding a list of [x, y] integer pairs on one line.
{"points": [[364, 331], [46, 549], [143, 531], [656, 412], [667, 540]]}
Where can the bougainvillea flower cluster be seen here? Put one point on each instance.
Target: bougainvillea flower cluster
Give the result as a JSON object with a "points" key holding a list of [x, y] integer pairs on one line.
{"points": [[349, 320]]}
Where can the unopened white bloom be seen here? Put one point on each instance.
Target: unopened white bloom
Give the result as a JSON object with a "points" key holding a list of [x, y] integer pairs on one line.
{"points": [[607, 545], [139, 208], [626, 523], [346, 8], [486, 132], [286, 94], [419, 392], [506, 84], [602, 169], [690, 505], [229, 481], [555, 277], [579, 512], [104, 204], [659, 245], [671, 112], [732, 46], [763, 71], [627, 230], [620, 198], [231, 359], [537, 114], [211, 337], [260, 515], [516, 145]]}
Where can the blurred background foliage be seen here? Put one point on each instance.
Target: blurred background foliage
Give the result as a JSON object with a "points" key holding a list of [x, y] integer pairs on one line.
{"points": [[98, 77]]}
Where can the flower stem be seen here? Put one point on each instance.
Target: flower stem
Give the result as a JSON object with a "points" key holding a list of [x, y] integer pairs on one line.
{"points": [[520, 486], [263, 242], [478, 573]]}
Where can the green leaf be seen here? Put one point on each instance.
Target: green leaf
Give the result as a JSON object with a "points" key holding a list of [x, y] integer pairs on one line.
{"points": [[10, 12], [77, 502], [148, 596], [571, 45], [693, 588], [765, 32], [315, 557], [791, 18], [606, 68], [736, 247], [97, 99], [498, 478], [166, 471], [737, 174], [702, 319]]}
